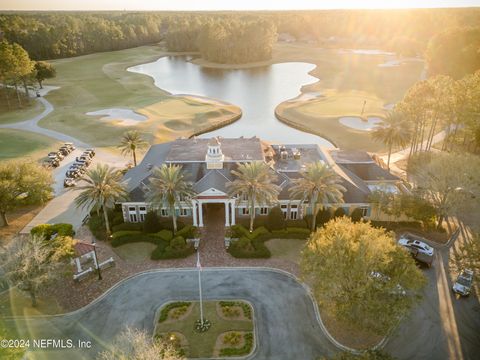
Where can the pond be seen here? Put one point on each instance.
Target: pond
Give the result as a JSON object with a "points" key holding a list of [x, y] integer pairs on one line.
{"points": [[357, 123], [257, 91]]}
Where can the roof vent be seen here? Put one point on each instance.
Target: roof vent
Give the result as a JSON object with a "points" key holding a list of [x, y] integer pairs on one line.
{"points": [[149, 167]]}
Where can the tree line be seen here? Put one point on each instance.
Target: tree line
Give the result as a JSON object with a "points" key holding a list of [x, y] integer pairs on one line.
{"points": [[408, 32], [55, 35], [223, 41]]}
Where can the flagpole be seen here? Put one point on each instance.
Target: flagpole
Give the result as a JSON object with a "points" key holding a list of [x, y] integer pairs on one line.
{"points": [[199, 267]]}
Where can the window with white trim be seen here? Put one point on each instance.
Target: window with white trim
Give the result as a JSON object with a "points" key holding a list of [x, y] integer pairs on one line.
{"points": [[264, 211], [133, 217], [284, 209], [245, 211], [183, 212], [364, 211], [164, 212], [142, 211]]}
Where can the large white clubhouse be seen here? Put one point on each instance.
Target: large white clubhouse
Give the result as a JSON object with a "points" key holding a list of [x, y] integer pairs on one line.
{"points": [[208, 164]]}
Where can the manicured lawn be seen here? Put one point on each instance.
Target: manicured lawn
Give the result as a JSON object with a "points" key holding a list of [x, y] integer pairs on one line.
{"points": [[346, 80], [17, 220], [16, 143], [16, 303], [288, 249], [29, 111], [135, 252], [100, 81], [202, 344]]}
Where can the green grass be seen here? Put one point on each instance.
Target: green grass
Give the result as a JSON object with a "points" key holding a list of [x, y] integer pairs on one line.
{"points": [[16, 303], [286, 249], [29, 111], [135, 252], [100, 81], [202, 344], [16, 143], [346, 80]]}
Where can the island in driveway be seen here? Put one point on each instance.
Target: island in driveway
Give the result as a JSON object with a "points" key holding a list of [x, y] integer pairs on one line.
{"points": [[208, 163]]}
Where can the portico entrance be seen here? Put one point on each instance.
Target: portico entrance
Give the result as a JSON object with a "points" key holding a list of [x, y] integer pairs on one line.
{"points": [[200, 207]]}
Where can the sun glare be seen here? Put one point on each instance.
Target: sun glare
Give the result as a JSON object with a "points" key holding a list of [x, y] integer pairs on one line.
{"points": [[228, 5]]}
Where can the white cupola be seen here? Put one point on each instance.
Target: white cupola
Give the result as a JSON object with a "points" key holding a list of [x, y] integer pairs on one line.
{"points": [[214, 157]]}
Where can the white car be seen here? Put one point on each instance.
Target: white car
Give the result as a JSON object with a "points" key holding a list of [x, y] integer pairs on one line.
{"points": [[410, 242]]}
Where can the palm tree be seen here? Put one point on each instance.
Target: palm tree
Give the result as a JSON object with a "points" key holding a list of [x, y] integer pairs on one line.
{"points": [[319, 184], [169, 187], [393, 131], [131, 142], [255, 182], [103, 187]]}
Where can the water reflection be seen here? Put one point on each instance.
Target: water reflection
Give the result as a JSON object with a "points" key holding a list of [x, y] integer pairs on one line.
{"points": [[257, 91]]}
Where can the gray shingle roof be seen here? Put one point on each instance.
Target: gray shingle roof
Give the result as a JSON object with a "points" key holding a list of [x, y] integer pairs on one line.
{"points": [[194, 150]]}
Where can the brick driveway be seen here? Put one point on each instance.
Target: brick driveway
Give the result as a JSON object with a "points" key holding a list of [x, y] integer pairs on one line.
{"points": [[72, 295]]}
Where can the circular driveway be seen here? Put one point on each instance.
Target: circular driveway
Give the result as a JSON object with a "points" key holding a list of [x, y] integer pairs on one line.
{"points": [[285, 317]]}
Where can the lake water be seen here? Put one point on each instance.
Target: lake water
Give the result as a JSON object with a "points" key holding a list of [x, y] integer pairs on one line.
{"points": [[357, 123], [256, 91]]}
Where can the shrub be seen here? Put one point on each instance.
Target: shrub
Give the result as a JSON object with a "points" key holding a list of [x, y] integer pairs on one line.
{"points": [[168, 224], [97, 227], [356, 215], [166, 309], [177, 243], [257, 222], [151, 223], [48, 230], [230, 311], [323, 216], [171, 253], [128, 226], [246, 248], [166, 235], [393, 225], [135, 236], [123, 233], [339, 212], [299, 223], [232, 338], [188, 232], [239, 231], [275, 219], [244, 350], [257, 232], [247, 310], [117, 218]]}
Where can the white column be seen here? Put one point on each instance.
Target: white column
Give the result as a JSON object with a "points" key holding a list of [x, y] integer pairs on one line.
{"points": [[194, 213], [233, 212], [200, 214], [79, 267], [227, 213]]}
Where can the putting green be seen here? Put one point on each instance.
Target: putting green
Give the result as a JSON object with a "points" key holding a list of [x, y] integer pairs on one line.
{"points": [[100, 81]]}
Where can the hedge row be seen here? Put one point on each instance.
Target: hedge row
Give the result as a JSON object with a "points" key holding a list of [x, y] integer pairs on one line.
{"points": [[48, 230], [244, 350], [251, 245], [168, 247], [392, 225]]}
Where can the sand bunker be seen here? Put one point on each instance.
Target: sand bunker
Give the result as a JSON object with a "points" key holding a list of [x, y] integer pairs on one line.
{"points": [[125, 117], [357, 123]]}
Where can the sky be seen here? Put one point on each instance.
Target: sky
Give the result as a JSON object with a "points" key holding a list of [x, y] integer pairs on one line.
{"points": [[227, 4]]}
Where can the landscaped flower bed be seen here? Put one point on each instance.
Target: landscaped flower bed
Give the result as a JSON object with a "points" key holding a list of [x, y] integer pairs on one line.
{"points": [[227, 330]]}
